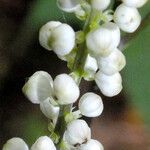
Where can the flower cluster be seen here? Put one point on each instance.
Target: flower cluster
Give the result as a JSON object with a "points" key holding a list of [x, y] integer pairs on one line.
{"points": [[92, 54]]}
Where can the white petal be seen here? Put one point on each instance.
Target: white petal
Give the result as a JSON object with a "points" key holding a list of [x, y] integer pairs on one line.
{"points": [[100, 4], [15, 144], [113, 63], [49, 110], [45, 33], [68, 5], [66, 90], [91, 105], [110, 85], [115, 33], [77, 132], [134, 3], [99, 42], [91, 145], [39, 87], [63, 39], [127, 18], [43, 143], [90, 67]]}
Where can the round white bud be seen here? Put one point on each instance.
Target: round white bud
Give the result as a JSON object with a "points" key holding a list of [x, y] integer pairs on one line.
{"points": [[134, 3], [68, 5], [90, 67], [110, 85], [63, 39], [49, 110], [100, 4], [39, 87], [91, 145], [43, 143], [77, 133], [127, 18], [15, 144], [115, 33], [102, 41], [91, 105], [65, 89], [113, 63], [45, 33]]}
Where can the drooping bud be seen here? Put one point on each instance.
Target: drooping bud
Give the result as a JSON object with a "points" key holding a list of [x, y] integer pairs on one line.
{"points": [[113, 63], [43, 143], [102, 41], [110, 85], [65, 89], [77, 133], [39, 87], [127, 18], [91, 105], [57, 36], [68, 5], [91, 145], [100, 4], [90, 67], [134, 3], [49, 110], [15, 144]]}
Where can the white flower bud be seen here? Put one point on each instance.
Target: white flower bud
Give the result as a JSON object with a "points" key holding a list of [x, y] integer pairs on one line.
{"points": [[134, 3], [43, 143], [15, 144], [102, 41], [113, 63], [63, 39], [77, 132], [66, 90], [45, 33], [127, 18], [68, 5], [100, 4], [91, 145], [109, 85], [90, 67], [49, 110], [91, 105], [39, 87], [115, 33]]}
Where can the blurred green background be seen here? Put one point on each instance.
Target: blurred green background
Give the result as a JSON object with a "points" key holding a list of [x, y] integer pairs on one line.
{"points": [[125, 123]]}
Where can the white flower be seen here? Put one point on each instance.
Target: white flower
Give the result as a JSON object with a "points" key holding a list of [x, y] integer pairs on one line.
{"points": [[102, 41], [57, 36], [77, 133], [91, 145], [68, 5], [90, 67], [91, 105], [134, 3], [15, 144], [110, 85], [49, 110], [100, 4], [43, 143], [127, 18], [39, 87], [45, 33], [113, 63], [65, 89]]}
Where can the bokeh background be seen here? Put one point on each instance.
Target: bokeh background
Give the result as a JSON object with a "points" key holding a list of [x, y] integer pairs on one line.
{"points": [[125, 123]]}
